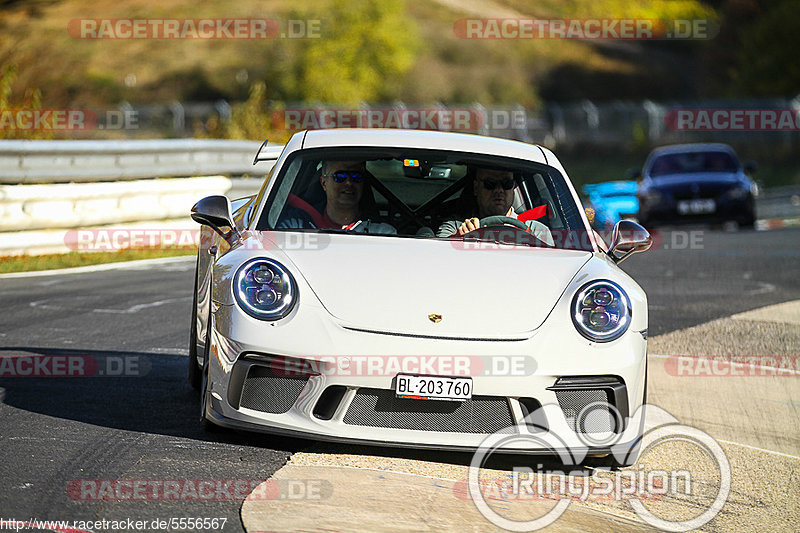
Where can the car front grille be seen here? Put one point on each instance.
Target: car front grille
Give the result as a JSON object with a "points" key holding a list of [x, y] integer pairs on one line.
{"points": [[594, 420], [381, 408], [266, 392]]}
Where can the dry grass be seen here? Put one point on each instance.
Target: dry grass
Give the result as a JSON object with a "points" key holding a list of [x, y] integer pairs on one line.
{"points": [[29, 263]]}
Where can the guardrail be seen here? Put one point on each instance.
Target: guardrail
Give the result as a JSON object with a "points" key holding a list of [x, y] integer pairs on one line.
{"points": [[779, 203], [23, 162]]}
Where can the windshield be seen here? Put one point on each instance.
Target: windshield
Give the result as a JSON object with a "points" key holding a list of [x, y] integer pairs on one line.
{"points": [[419, 193], [693, 162]]}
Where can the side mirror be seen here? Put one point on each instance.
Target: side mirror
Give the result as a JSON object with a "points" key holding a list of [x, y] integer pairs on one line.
{"points": [[750, 166], [628, 238], [634, 173], [215, 212]]}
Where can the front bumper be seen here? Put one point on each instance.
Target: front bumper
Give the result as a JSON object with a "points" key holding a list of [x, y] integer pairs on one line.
{"points": [[666, 212], [542, 400]]}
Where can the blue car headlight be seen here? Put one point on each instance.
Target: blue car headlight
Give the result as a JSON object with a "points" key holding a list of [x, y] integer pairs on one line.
{"points": [[265, 289], [652, 197], [601, 311], [739, 192]]}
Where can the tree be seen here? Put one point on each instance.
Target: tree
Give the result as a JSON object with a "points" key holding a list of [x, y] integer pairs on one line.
{"points": [[366, 45], [768, 64]]}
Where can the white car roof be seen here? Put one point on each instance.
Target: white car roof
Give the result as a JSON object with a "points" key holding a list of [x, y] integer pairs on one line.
{"points": [[436, 140]]}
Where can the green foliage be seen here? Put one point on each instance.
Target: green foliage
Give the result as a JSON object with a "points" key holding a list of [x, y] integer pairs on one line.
{"points": [[769, 65], [32, 99], [652, 9], [368, 45], [28, 263], [250, 120]]}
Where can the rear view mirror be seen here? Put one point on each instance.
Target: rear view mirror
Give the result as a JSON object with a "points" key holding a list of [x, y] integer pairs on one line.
{"points": [[628, 238], [215, 212]]}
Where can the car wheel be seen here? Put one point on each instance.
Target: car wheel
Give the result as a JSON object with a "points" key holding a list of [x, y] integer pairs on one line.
{"points": [[748, 223], [193, 373]]}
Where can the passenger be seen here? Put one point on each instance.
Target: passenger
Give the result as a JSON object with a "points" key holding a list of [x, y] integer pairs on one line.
{"points": [[343, 183]]}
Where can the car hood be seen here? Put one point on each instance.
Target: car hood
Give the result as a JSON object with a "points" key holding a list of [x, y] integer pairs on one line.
{"points": [[394, 285]]}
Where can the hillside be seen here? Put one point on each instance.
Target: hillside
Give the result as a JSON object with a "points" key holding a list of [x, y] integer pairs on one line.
{"points": [[418, 56]]}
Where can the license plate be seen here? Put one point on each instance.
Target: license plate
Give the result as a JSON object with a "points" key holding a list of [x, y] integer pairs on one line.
{"points": [[433, 388], [696, 207]]}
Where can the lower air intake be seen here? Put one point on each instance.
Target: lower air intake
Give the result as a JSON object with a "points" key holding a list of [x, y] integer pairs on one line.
{"points": [[582, 418], [381, 408], [264, 391]]}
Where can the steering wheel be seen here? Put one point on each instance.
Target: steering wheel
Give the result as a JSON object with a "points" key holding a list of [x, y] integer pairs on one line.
{"points": [[501, 220]]}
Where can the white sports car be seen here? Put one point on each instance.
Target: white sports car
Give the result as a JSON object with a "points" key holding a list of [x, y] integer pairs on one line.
{"points": [[350, 300]]}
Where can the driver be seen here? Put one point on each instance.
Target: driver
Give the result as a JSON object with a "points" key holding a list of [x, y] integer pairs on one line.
{"points": [[494, 195], [343, 183]]}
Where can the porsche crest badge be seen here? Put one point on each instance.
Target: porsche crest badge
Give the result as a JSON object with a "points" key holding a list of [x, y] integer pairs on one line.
{"points": [[435, 318]]}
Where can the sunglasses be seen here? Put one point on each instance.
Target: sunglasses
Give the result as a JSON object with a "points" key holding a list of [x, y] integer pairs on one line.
{"points": [[355, 176], [506, 184]]}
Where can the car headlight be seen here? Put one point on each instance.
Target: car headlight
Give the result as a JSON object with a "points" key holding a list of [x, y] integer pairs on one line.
{"points": [[738, 192], [264, 289], [652, 197], [601, 311]]}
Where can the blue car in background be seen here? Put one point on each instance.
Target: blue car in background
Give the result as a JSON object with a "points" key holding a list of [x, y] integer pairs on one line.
{"points": [[611, 201], [696, 183]]}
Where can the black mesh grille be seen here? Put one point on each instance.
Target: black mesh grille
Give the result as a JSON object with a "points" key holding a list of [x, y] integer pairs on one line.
{"points": [[596, 419], [264, 391], [381, 408]]}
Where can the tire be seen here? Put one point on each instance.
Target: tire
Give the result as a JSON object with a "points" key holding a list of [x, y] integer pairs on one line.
{"points": [[193, 373], [748, 223]]}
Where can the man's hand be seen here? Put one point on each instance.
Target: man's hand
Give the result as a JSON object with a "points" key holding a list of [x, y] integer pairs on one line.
{"points": [[471, 224]]}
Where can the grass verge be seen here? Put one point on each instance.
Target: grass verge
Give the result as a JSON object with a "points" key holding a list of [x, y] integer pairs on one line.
{"points": [[30, 263]]}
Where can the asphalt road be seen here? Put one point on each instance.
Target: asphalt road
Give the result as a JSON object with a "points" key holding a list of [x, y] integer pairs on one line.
{"points": [[57, 434], [57, 431], [694, 275]]}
